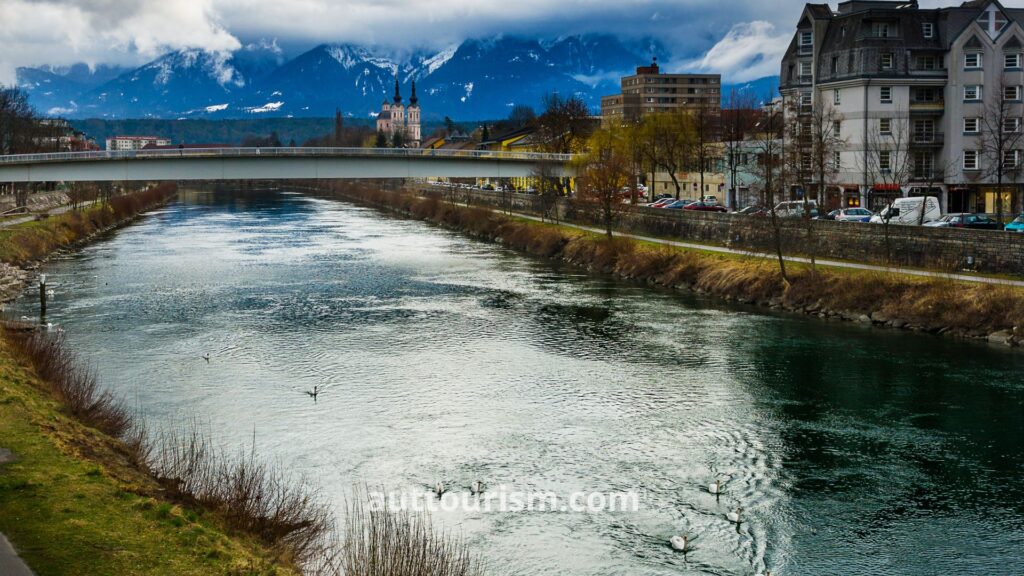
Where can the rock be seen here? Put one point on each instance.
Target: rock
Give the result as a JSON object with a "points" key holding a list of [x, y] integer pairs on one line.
{"points": [[864, 319], [1003, 337], [879, 318]]}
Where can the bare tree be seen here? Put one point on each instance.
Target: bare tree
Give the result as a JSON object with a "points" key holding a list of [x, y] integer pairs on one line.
{"points": [[21, 132], [669, 143], [605, 172], [768, 143], [564, 128], [888, 163], [1000, 140], [706, 132], [738, 120]]}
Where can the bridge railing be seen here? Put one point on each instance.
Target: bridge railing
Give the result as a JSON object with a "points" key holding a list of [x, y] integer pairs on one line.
{"points": [[280, 152]]}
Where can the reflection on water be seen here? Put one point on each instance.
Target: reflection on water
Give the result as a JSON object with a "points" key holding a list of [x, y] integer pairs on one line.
{"points": [[851, 450]]}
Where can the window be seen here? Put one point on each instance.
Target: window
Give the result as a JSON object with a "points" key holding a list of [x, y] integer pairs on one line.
{"points": [[972, 60], [970, 159], [882, 30], [837, 160], [806, 39], [834, 67], [885, 93], [1011, 60], [1010, 158], [928, 30], [805, 68], [885, 161], [972, 93], [926, 63], [887, 61], [1011, 92], [805, 99], [971, 125], [836, 97], [885, 126], [1011, 125], [837, 128]]}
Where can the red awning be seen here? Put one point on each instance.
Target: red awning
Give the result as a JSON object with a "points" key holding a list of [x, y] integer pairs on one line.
{"points": [[886, 187]]}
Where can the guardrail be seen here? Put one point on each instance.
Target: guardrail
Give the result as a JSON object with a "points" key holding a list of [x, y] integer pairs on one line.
{"points": [[170, 153]]}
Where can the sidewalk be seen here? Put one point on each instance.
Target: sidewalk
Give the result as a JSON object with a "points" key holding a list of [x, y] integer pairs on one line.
{"points": [[10, 563]]}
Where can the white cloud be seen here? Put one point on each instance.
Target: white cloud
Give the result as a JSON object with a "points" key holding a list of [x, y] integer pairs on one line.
{"points": [[749, 51], [61, 32]]}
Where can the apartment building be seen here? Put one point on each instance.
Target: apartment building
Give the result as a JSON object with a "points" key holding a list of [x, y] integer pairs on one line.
{"points": [[916, 96], [650, 91], [135, 142]]}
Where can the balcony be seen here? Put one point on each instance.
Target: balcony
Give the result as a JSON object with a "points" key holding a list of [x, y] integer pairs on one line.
{"points": [[926, 138], [927, 106]]}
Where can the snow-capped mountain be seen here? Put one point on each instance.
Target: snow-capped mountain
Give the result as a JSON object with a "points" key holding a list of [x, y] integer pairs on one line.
{"points": [[477, 79], [53, 89]]}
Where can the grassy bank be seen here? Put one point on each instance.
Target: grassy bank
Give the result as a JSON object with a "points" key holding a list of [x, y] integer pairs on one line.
{"points": [[28, 241], [970, 310], [75, 501]]}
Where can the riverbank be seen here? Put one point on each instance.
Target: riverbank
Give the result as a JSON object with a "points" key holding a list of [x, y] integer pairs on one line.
{"points": [[73, 501], [24, 245], [935, 305]]}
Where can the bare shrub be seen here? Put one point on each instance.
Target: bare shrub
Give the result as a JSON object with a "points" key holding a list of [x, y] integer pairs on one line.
{"points": [[74, 385], [382, 542]]}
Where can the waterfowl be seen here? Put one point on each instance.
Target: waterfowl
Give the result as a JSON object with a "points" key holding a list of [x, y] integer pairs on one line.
{"points": [[734, 516], [476, 488], [680, 543], [439, 489], [715, 488]]}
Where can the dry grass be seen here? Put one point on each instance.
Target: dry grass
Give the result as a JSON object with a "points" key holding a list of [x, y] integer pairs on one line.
{"points": [[33, 240], [925, 302], [383, 542]]}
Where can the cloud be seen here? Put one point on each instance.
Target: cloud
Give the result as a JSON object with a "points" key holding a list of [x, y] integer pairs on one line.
{"points": [[130, 32], [63, 32], [750, 50]]}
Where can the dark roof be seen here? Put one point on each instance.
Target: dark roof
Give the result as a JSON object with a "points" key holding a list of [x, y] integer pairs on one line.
{"points": [[185, 146]]}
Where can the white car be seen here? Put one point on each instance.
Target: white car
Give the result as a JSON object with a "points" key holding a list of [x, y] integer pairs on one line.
{"points": [[854, 215]]}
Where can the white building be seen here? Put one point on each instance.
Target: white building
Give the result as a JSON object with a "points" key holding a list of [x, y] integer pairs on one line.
{"points": [[135, 142], [395, 118], [914, 88]]}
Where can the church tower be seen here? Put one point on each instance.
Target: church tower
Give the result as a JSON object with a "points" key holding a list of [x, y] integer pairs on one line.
{"points": [[397, 112], [413, 118]]}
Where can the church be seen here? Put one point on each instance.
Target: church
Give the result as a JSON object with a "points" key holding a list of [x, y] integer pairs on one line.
{"points": [[396, 118]]}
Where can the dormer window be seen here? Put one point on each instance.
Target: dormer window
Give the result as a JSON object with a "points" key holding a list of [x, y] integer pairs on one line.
{"points": [[1011, 61], [887, 61], [806, 39], [882, 30], [928, 30], [972, 60]]}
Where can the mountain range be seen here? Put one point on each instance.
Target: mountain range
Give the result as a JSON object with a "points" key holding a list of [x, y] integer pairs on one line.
{"points": [[476, 79]]}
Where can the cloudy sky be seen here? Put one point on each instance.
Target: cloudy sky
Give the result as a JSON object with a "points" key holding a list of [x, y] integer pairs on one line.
{"points": [[742, 39]]}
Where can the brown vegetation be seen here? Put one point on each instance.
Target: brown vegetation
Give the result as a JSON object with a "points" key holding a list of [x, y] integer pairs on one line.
{"points": [[34, 240], [937, 305]]}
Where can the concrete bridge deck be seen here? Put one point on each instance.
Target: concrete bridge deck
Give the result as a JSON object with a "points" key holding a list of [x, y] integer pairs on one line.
{"points": [[273, 163]]}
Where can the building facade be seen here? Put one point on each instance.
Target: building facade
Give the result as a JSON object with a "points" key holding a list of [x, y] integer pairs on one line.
{"points": [[650, 91], [135, 142], [922, 101], [396, 119]]}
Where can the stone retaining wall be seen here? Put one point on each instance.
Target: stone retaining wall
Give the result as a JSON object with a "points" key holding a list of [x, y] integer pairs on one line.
{"points": [[946, 249]]}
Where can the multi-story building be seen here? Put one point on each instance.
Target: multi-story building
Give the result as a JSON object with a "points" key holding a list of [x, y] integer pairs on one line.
{"points": [[397, 119], [135, 142], [916, 97], [650, 91]]}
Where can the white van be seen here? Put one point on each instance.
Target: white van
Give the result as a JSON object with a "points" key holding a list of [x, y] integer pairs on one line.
{"points": [[907, 211], [795, 208]]}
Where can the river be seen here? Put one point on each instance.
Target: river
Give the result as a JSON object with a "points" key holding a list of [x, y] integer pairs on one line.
{"points": [[851, 450]]}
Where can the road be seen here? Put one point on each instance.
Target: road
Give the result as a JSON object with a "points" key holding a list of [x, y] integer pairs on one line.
{"points": [[818, 261], [32, 216], [10, 563]]}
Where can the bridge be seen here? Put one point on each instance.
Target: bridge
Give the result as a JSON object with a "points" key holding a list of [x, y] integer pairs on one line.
{"points": [[277, 163]]}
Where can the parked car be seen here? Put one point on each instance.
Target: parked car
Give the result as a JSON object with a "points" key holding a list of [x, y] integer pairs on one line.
{"points": [[907, 211], [679, 204], [711, 199], [1017, 225], [830, 216], [795, 208], [853, 215], [705, 207], [972, 221], [753, 210], [662, 202]]}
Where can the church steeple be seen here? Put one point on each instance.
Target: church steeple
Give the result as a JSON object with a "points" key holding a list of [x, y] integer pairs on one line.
{"points": [[412, 99], [398, 96]]}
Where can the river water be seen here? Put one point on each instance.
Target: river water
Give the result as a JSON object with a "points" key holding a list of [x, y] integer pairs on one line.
{"points": [[851, 450]]}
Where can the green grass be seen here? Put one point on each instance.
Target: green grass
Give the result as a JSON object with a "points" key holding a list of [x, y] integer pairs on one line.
{"points": [[71, 504]]}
